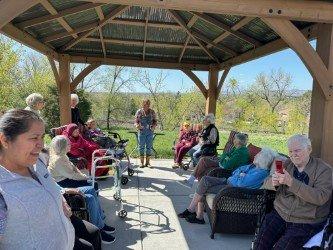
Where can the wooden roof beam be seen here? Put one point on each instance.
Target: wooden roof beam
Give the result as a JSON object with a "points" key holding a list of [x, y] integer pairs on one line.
{"points": [[63, 13], [227, 29], [48, 6], [267, 49], [140, 43], [137, 62], [83, 74], [197, 81], [101, 17], [55, 70], [309, 10], [237, 26], [181, 22], [189, 25], [10, 9], [145, 38], [221, 82], [85, 34], [295, 39], [28, 40]]}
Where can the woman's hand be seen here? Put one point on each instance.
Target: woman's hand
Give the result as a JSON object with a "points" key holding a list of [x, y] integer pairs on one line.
{"points": [[73, 191], [138, 126], [66, 208]]}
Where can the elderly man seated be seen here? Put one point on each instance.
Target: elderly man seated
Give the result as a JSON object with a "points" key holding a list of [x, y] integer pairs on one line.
{"points": [[302, 201]]}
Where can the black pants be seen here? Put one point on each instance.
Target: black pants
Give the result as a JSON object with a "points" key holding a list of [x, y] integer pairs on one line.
{"points": [[87, 236], [70, 183]]}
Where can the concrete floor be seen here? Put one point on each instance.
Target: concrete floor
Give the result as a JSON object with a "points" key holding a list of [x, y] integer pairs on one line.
{"points": [[152, 198]]}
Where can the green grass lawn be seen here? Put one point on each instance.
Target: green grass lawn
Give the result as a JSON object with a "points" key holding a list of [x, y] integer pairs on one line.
{"points": [[164, 143]]}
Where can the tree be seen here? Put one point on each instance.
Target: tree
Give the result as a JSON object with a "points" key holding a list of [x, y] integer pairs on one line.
{"points": [[273, 88]]}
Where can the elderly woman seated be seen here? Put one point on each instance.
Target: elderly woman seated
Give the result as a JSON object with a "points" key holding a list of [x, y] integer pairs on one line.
{"points": [[247, 176], [187, 139], [97, 135], [238, 156], [35, 103]]}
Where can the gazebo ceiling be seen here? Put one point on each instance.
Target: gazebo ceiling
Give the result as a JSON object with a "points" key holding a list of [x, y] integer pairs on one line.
{"points": [[94, 32]]}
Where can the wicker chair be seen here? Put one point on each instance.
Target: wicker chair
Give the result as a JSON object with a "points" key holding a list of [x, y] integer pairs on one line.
{"points": [[236, 210]]}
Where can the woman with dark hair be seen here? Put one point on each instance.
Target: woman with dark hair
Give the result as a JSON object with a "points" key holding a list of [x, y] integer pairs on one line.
{"points": [[28, 195]]}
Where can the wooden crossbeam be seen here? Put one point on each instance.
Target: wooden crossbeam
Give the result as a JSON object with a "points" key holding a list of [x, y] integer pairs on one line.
{"points": [[306, 10], [189, 25], [48, 6], [197, 81], [221, 82], [101, 17], [85, 34], [295, 39], [181, 22], [228, 30], [60, 14], [140, 43], [55, 70], [83, 74], [10, 9], [145, 38]]}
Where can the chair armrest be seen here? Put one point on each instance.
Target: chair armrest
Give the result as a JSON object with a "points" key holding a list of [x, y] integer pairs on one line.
{"points": [[220, 173]]}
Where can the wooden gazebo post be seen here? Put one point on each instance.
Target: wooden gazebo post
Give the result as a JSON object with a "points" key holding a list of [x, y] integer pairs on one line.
{"points": [[64, 90], [212, 90], [321, 119]]}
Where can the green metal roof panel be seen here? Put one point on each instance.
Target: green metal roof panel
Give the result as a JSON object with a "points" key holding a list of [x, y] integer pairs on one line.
{"points": [[61, 5], [158, 15], [163, 52], [206, 29], [226, 19], [36, 11], [61, 42], [46, 29], [87, 47], [120, 31], [124, 49], [237, 45], [82, 18], [166, 35]]}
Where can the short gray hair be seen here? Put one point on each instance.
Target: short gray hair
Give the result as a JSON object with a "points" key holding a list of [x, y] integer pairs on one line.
{"points": [[59, 145], [75, 97], [301, 139], [33, 99], [210, 118], [243, 138], [265, 158]]}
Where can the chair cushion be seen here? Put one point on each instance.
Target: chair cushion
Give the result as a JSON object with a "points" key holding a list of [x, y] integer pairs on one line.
{"points": [[210, 200], [253, 150]]}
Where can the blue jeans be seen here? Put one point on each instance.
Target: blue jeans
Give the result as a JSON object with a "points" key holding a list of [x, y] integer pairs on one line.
{"points": [[195, 154], [145, 138], [96, 215]]}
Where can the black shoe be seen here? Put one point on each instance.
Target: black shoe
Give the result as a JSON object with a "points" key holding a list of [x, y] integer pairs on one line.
{"points": [[186, 214], [108, 229], [194, 219], [107, 238]]}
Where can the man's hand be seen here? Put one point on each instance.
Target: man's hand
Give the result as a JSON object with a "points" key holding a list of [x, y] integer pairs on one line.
{"points": [[275, 180], [66, 208], [285, 178], [138, 126], [73, 191]]}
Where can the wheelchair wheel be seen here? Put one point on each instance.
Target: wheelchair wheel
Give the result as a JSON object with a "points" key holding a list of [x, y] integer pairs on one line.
{"points": [[130, 172], [116, 197], [124, 180], [185, 166], [122, 213]]}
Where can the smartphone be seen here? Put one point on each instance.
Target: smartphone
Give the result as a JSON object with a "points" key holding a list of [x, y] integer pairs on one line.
{"points": [[279, 167]]}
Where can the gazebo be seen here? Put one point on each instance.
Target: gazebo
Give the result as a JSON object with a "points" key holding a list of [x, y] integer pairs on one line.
{"points": [[207, 35]]}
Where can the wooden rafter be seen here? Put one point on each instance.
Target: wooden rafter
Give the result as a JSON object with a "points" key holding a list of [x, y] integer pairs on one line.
{"points": [[85, 34], [48, 6], [28, 40], [60, 14], [140, 43], [221, 82], [83, 74], [240, 24], [272, 47], [101, 17], [227, 29], [145, 38], [295, 39], [135, 62], [197, 81], [13, 9], [309, 10], [181, 22], [189, 25], [55, 70]]}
